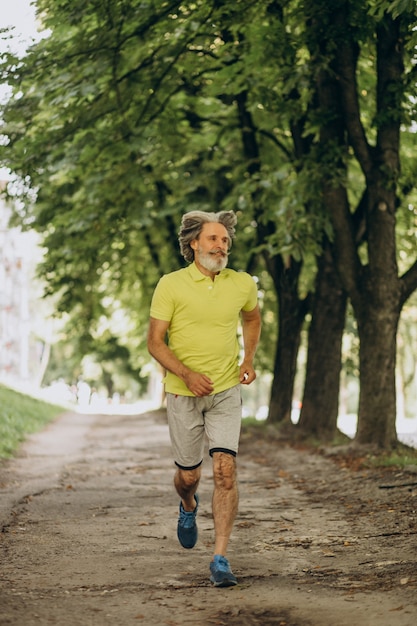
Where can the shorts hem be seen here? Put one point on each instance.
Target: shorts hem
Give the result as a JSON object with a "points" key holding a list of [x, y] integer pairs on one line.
{"points": [[225, 450], [189, 468]]}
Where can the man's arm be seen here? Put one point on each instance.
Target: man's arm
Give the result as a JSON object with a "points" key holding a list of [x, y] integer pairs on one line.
{"points": [[251, 331], [198, 384]]}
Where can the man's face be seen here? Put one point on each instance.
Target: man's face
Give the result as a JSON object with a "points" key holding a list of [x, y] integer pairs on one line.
{"points": [[212, 247]]}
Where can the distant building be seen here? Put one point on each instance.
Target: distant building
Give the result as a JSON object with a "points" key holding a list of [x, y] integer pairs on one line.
{"points": [[20, 349]]}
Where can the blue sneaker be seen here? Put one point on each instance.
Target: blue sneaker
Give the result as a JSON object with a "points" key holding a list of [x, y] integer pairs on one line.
{"points": [[187, 527], [221, 574]]}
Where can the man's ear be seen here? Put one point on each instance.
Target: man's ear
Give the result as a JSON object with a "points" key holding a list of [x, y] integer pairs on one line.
{"points": [[194, 244]]}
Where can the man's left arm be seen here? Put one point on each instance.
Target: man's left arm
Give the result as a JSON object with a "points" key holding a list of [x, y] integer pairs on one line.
{"points": [[251, 331]]}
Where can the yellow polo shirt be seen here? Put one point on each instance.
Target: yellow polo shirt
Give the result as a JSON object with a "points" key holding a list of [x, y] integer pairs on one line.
{"points": [[204, 317]]}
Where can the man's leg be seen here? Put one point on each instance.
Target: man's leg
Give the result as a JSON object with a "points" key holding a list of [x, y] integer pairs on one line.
{"points": [[225, 499], [186, 483]]}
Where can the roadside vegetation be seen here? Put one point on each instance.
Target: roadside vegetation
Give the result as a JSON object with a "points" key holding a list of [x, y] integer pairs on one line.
{"points": [[340, 449], [21, 415]]}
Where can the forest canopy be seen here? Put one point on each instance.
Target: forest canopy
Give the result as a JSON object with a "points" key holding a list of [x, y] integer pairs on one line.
{"points": [[300, 115]]}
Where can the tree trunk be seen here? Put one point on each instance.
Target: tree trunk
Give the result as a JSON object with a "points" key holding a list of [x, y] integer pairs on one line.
{"points": [[291, 310], [320, 404], [290, 319], [373, 285], [377, 398], [379, 310]]}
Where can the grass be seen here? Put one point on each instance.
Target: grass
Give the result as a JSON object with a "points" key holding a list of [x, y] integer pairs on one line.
{"points": [[21, 415], [402, 457], [248, 422]]}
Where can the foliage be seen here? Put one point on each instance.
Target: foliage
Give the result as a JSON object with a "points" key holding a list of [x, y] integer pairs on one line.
{"points": [[127, 117], [21, 415], [132, 112]]}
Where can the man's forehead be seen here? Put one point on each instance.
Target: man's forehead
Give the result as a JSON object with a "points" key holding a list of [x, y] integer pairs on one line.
{"points": [[214, 228]]}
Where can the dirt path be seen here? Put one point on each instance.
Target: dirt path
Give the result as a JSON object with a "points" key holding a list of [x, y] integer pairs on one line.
{"points": [[88, 514]]}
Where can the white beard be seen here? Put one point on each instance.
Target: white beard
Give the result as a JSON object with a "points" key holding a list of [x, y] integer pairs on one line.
{"points": [[211, 262]]}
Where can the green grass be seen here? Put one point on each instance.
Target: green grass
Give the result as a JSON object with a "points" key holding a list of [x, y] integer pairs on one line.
{"points": [[248, 422], [21, 415], [403, 456]]}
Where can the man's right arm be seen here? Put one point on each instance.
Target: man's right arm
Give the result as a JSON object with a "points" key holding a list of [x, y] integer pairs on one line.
{"points": [[198, 384]]}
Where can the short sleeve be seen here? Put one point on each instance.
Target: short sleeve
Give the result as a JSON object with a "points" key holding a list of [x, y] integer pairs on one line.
{"points": [[162, 304], [252, 290]]}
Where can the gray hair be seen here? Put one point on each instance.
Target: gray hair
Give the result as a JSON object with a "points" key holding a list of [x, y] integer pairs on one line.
{"points": [[192, 224]]}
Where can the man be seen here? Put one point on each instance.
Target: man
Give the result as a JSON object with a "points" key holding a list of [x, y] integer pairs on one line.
{"points": [[199, 308]]}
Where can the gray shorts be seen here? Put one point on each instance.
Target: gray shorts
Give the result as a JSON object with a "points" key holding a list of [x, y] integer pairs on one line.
{"points": [[190, 418]]}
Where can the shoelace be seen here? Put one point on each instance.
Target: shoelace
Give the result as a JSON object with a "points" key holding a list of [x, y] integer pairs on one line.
{"points": [[222, 564], [187, 518]]}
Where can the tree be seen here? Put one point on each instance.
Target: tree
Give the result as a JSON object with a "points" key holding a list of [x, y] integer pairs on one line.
{"points": [[376, 290], [133, 112], [320, 403], [96, 145]]}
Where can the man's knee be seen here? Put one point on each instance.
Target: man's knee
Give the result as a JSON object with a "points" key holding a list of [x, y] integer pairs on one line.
{"points": [[188, 478], [224, 469]]}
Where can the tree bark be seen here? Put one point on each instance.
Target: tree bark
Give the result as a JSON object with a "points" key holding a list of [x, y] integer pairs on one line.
{"points": [[285, 275], [374, 287], [377, 398], [320, 403], [291, 315]]}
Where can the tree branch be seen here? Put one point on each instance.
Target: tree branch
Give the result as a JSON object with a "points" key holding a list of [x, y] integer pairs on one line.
{"points": [[346, 62], [408, 282]]}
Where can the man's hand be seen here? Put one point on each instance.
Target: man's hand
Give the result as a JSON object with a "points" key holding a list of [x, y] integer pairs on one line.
{"points": [[251, 327], [199, 384], [247, 373]]}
